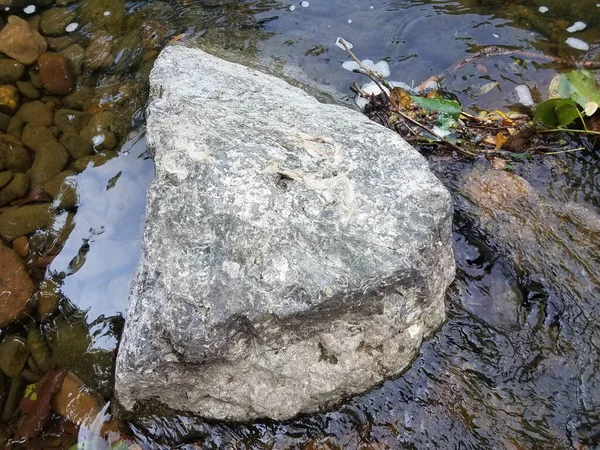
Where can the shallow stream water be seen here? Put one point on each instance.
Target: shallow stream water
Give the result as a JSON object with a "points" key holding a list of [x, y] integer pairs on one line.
{"points": [[517, 364]]}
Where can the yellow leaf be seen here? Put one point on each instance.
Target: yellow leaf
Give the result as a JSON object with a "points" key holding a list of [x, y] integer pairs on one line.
{"points": [[500, 140]]}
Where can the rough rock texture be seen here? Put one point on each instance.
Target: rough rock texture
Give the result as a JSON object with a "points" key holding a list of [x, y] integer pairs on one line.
{"points": [[294, 253]]}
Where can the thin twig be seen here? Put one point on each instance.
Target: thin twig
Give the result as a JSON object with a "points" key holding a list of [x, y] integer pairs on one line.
{"points": [[494, 50], [578, 149]]}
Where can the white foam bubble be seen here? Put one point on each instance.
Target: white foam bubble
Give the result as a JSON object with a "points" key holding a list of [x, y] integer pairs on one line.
{"points": [[524, 95], [71, 27], [577, 26], [350, 65], [382, 67], [29, 9], [496, 35], [338, 42], [305, 4], [577, 43], [292, 7], [543, 9], [349, 20]]}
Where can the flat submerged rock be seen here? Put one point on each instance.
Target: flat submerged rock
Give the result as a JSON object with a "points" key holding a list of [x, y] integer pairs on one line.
{"points": [[295, 253]]}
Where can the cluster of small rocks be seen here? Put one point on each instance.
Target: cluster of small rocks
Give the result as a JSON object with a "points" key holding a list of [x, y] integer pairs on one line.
{"points": [[73, 74], [71, 78]]}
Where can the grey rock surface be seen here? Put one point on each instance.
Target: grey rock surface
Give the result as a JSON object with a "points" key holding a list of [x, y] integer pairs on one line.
{"points": [[295, 252]]}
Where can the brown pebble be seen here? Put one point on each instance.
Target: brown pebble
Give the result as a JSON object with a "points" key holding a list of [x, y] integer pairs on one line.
{"points": [[21, 246], [56, 74], [20, 41]]}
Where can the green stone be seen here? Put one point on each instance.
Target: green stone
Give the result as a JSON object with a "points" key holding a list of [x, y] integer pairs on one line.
{"points": [[39, 349], [17, 188], [22, 220], [13, 355], [48, 162], [69, 341]]}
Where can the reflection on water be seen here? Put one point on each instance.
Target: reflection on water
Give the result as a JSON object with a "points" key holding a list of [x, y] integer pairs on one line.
{"points": [[517, 364], [109, 222]]}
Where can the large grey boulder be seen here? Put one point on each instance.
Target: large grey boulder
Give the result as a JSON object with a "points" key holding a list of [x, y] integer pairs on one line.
{"points": [[295, 252]]}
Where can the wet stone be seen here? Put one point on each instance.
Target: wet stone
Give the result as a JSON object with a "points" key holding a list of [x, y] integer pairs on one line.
{"points": [[79, 98], [76, 145], [17, 188], [15, 127], [22, 220], [13, 156], [99, 138], [9, 99], [55, 20], [98, 54], [35, 137], [71, 121], [36, 112], [21, 246], [28, 90], [4, 121], [69, 340], [94, 160], [56, 73], [63, 189], [74, 54], [5, 178], [16, 286], [48, 162], [11, 71], [57, 44], [107, 15], [13, 355], [39, 349], [20, 42], [48, 299]]}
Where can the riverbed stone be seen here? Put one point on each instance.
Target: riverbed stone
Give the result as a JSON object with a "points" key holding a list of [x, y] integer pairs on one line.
{"points": [[21, 42], [48, 162], [11, 71], [9, 99], [16, 286], [63, 189], [76, 145], [13, 355], [36, 112], [21, 220], [5, 178], [56, 73], [17, 188], [108, 15], [28, 90], [13, 156], [55, 20], [295, 252]]}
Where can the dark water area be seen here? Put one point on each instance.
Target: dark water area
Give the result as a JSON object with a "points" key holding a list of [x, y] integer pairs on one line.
{"points": [[517, 364]]}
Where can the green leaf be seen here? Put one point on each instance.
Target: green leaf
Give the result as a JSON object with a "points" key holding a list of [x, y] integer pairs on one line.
{"points": [[448, 108], [580, 86], [556, 112]]}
